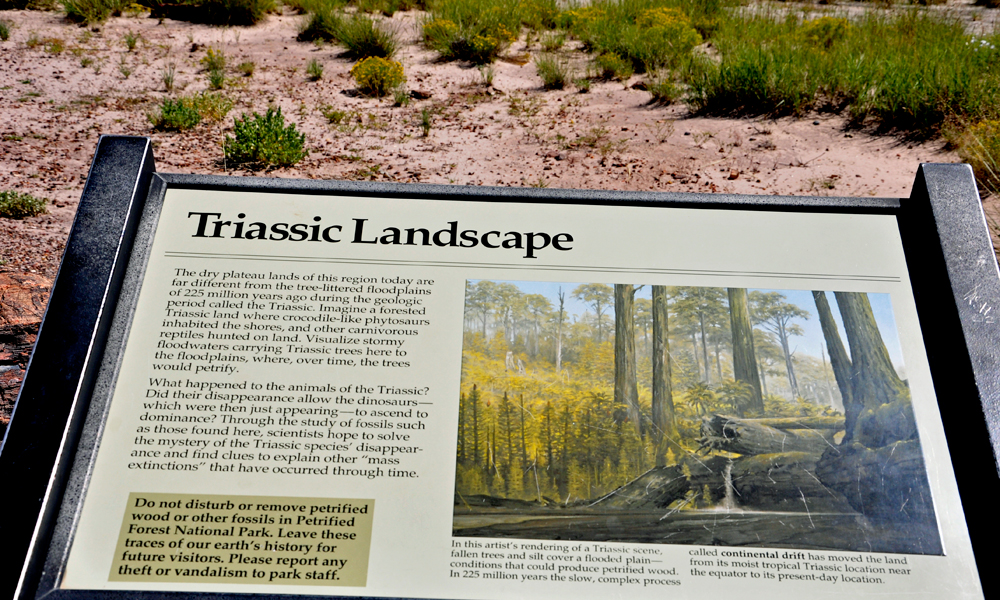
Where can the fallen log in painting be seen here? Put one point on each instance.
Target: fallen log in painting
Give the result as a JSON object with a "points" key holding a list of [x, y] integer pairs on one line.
{"points": [[751, 437]]}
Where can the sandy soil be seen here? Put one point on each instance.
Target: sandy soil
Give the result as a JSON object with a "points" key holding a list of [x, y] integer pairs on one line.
{"points": [[513, 133], [62, 86]]}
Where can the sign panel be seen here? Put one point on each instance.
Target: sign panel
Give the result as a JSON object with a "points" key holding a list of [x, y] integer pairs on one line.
{"points": [[328, 389], [294, 357]]}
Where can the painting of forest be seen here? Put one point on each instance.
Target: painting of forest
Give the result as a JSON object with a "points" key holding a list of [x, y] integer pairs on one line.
{"points": [[688, 415]]}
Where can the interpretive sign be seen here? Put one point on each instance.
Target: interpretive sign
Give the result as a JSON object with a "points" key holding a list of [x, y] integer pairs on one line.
{"points": [[252, 386]]}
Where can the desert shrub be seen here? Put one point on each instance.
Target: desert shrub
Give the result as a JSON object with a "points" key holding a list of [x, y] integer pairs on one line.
{"points": [[579, 18], [175, 115], [705, 15], [215, 63], [439, 34], [262, 141], [554, 72], [92, 11], [660, 16], [236, 12], [612, 66], [377, 76], [213, 12], [4, 30], [648, 35], [185, 113], [214, 60], [485, 48], [824, 31], [979, 146], [362, 36], [211, 107], [323, 24], [539, 14], [233, 12], [334, 115], [473, 30], [665, 41], [19, 205], [246, 68], [663, 36]]}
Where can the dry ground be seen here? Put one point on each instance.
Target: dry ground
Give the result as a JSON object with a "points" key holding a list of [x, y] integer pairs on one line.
{"points": [[62, 86]]}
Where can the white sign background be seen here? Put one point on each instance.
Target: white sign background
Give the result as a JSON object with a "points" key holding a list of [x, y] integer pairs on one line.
{"points": [[411, 537]]}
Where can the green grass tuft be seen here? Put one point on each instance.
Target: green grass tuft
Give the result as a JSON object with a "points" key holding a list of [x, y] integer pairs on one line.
{"points": [[401, 96], [553, 41], [362, 36], [323, 24], [167, 75], [426, 120], [555, 72], [246, 68], [314, 70], [473, 30], [130, 40]]}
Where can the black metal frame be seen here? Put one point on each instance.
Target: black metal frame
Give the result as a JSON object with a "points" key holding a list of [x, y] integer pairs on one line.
{"points": [[59, 415]]}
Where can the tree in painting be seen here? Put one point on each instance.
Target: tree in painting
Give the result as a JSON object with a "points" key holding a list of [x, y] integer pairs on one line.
{"points": [[582, 400]]}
